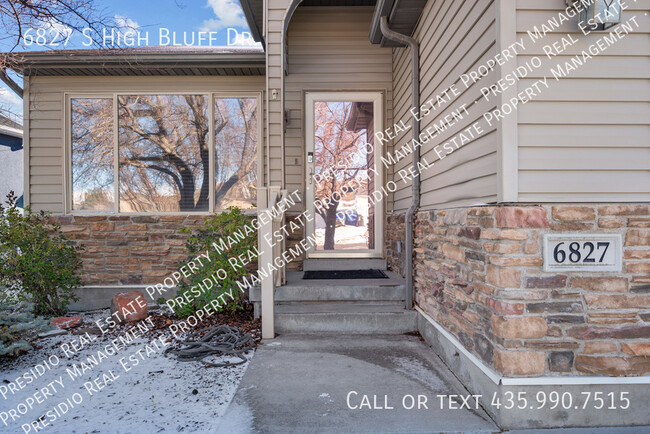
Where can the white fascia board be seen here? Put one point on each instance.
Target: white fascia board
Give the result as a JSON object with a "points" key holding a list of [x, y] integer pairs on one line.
{"points": [[14, 132]]}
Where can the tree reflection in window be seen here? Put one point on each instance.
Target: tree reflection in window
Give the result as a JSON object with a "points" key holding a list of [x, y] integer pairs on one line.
{"points": [[164, 154], [235, 166], [92, 158]]}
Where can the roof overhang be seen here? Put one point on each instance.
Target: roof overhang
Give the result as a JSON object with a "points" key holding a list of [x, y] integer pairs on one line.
{"points": [[9, 131], [254, 14], [403, 17], [142, 61], [9, 127]]}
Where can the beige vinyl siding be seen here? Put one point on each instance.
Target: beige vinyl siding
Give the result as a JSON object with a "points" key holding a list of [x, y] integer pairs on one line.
{"points": [[274, 14], [587, 137], [47, 120], [455, 38], [329, 50]]}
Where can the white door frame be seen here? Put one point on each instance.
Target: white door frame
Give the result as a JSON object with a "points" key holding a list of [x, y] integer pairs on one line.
{"points": [[378, 119]]}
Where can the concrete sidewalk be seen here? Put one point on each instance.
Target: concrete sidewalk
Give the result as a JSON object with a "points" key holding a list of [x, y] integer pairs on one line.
{"points": [[307, 383]]}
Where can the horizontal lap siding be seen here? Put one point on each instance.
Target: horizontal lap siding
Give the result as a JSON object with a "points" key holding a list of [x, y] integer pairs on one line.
{"points": [[455, 38], [587, 137], [329, 50], [46, 125], [275, 12]]}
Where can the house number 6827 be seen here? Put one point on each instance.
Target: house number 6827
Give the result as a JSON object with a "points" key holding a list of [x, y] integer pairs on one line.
{"points": [[586, 252], [582, 252]]}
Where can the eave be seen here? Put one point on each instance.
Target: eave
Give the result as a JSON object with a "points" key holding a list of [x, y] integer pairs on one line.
{"points": [[9, 131], [253, 12], [141, 61], [403, 17]]}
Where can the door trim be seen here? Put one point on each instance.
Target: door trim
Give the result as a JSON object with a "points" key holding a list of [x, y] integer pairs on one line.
{"points": [[377, 98]]}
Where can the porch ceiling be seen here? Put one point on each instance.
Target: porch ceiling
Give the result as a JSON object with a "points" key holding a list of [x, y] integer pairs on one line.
{"points": [[254, 11], [141, 61]]}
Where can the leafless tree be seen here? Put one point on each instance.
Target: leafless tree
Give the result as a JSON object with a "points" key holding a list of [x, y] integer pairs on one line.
{"points": [[336, 146], [235, 151], [54, 16], [164, 143], [92, 153], [164, 162], [17, 16]]}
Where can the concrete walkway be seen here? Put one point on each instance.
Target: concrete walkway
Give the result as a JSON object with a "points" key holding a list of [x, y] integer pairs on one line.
{"points": [[307, 383]]}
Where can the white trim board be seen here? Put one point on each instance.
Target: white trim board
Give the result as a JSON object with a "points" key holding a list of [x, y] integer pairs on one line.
{"points": [[507, 128], [530, 381], [13, 132]]}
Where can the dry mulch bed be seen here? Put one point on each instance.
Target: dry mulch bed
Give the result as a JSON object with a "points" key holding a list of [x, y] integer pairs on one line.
{"points": [[161, 393], [242, 319]]}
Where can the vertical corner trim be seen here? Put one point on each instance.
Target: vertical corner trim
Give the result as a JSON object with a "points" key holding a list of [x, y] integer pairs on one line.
{"points": [[507, 144], [26, 134]]}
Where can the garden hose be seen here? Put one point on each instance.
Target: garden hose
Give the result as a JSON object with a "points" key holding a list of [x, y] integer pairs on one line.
{"points": [[220, 340]]}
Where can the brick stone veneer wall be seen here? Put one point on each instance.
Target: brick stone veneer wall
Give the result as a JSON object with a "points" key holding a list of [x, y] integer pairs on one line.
{"points": [[128, 250], [135, 250], [394, 233], [478, 273], [292, 240]]}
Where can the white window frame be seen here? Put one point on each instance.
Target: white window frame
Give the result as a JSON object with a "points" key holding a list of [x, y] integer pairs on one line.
{"points": [[211, 97]]}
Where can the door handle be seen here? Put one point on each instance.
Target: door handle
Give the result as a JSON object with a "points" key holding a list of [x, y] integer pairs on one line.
{"points": [[311, 174]]}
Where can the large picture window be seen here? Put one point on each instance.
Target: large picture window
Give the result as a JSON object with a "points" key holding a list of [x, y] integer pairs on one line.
{"points": [[235, 165], [164, 155], [92, 154], [161, 153]]}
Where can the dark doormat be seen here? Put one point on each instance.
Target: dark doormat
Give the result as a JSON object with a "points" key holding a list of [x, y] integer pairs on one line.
{"points": [[344, 274]]}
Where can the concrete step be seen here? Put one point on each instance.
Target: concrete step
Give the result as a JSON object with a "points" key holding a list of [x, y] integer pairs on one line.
{"points": [[340, 307], [367, 320], [357, 306], [334, 293], [297, 289], [344, 264]]}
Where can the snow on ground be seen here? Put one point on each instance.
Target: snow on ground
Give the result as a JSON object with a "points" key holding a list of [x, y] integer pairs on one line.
{"points": [[158, 394]]}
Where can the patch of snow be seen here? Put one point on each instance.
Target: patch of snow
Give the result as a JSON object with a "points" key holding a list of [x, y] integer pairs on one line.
{"points": [[156, 394], [324, 395]]}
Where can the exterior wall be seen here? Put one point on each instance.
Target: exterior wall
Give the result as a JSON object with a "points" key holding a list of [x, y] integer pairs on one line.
{"points": [[128, 250], [478, 269], [344, 60], [47, 121], [131, 250], [274, 15], [478, 273], [394, 231], [454, 37], [586, 137], [117, 249], [328, 50], [292, 240]]}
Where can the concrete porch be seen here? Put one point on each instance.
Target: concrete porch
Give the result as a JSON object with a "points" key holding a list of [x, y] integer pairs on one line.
{"points": [[316, 383]]}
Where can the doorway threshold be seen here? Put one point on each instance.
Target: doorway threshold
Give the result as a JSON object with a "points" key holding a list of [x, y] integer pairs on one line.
{"points": [[341, 264]]}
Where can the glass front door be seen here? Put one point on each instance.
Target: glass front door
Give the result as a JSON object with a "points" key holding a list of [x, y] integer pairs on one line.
{"points": [[342, 174]]}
